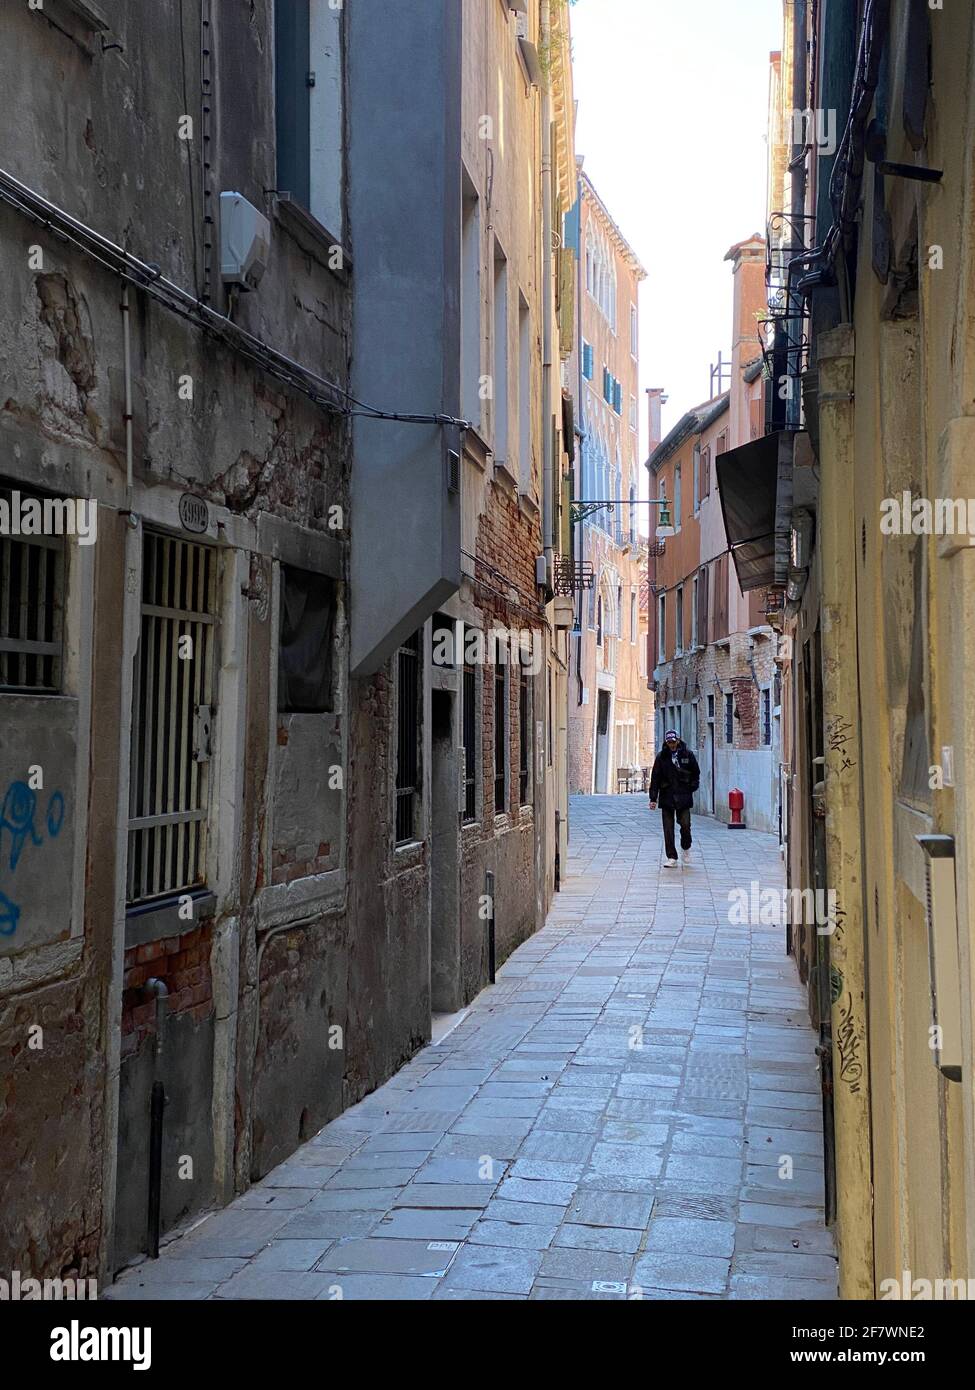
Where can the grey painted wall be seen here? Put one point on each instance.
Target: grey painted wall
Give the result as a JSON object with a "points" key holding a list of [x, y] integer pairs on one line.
{"points": [[404, 200]]}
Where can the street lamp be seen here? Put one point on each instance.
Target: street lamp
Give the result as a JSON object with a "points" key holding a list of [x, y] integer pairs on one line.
{"points": [[580, 508]]}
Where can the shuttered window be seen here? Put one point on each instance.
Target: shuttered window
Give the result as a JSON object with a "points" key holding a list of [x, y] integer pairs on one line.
{"points": [[524, 738], [470, 743], [292, 65], [408, 690], [500, 735]]}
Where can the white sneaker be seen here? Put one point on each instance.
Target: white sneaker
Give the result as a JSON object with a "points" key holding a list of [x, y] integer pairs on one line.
{"points": [[686, 856], [670, 863]]}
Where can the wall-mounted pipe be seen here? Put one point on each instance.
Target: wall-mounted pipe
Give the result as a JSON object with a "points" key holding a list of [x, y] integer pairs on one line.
{"points": [[157, 1105]]}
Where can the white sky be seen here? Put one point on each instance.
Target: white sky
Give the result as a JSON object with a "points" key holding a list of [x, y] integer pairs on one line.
{"points": [[672, 112]]}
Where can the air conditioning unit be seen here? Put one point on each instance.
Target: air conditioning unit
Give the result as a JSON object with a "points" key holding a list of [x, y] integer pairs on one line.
{"points": [[521, 25], [245, 242]]}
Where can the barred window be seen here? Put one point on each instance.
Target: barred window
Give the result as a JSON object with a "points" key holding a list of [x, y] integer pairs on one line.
{"points": [[524, 737], [766, 716], [500, 734], [729, 719], [171, 719], [470, 743], [31, 610], [408, 690]]}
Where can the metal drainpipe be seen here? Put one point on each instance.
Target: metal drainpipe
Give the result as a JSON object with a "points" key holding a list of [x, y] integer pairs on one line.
{"points": [[548, 481], [798, 188], [157, 1104], [127, 365]]}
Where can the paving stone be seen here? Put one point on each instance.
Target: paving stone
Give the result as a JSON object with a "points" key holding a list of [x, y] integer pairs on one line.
{"points": [[493, 1269], [693, 1273], [514, 1235], [815, 1241], [291, 1254], [378, 1255], [586, 1264], [544, 1170], [522, 1213], [785, 1265], [526, 1190], [448, 1196], [699, 1171], [379, 1288], [691, 1236], [626, 1209], [617, 1238], [361, 1179], [263, 1284], [769, 1289], [418, 1223], [328, 1225]]}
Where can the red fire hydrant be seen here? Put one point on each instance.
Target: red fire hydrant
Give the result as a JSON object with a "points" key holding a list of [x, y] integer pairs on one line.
{"points": [[736, 804]]}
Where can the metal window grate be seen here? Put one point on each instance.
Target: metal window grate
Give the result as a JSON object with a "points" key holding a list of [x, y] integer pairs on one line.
{"points": [[500, 728], [171, 714], [524, 736], [470, 744], [31, 608], [729, 719], [407, 738]]}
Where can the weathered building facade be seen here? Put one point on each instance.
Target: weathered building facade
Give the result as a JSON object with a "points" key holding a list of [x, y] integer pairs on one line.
{"points": [[609, 697], [714, 653], [236, 866], [871, 335]]}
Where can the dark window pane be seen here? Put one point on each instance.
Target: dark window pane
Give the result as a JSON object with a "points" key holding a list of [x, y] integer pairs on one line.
{"points": [[305, 642]]}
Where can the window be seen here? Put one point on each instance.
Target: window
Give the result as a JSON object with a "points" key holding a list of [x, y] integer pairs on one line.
{"points": [[470, 306], [697, 478], [633, 618], [695, 602], [679, 635], [500, 356], [767, 717], [308, 107], [524, 396], [710, 707], [729, 720], [31, 608], [617, 396], [632, 514], [599, 621], [524, 738], [409, 675], [634, 334], [662, 628], [551, 724], [587, 362], [619, 610], [633, 414], [500, 740], [677, 498], [306, 626], [706, 471], [470, 743], [172, 711]]}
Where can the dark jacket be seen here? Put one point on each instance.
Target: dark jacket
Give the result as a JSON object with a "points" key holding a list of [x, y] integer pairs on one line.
{"points": [[675, 778]]}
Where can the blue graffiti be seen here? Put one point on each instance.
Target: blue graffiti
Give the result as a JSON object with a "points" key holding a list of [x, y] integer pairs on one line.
{"points": [[17, 818], [9, 916]]}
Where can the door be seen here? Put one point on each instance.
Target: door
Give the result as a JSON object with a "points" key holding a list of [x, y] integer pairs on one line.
{"points": [[602, 742]]}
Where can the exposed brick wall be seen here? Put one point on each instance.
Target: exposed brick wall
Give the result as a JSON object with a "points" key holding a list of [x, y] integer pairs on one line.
{"points": [[183, 964]]}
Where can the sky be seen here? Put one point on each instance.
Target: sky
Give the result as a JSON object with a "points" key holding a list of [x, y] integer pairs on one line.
{"points": [[672, 115]]}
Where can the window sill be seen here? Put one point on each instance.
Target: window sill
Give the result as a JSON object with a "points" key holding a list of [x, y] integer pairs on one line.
{"points": [[152, 923], [311, 236]]}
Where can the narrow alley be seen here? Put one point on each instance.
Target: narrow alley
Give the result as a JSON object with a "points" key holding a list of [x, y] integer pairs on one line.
{"points": [[633, 1110]]}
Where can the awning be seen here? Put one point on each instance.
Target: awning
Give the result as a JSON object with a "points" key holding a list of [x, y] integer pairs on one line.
{"points": [[755, 485]]}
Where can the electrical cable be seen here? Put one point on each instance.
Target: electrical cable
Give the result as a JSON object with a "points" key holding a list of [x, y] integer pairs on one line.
{"points": [[148, 278]]}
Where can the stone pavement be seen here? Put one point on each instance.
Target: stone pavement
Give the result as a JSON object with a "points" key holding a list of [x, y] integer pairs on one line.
{"points": [[613, 1119]]}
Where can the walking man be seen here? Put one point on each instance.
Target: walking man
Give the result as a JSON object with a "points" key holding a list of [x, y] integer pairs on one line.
{"points": [[673, 782]]}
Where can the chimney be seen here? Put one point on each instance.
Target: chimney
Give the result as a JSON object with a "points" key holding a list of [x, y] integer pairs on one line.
{"points": [[655, 400]]}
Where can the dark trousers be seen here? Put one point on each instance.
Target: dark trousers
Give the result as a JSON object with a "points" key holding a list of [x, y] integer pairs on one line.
{"points": [[667, 815]]}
